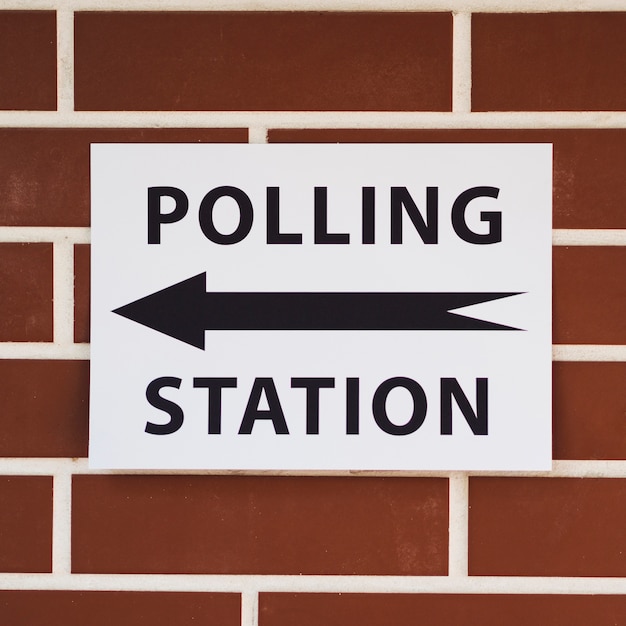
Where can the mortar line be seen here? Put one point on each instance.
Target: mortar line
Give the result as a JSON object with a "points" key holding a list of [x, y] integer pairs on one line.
{"points": [[65, 59], [39, 466], [458, 525], [316, 119], [249, 608], [78, 235], [81, 351], [589, 237], [257, 134], [462, 63], [62, 521], [54, 234], [44, 351], [492, 6], [588, 352], [63, 293], [560, 469], [232, 583]]}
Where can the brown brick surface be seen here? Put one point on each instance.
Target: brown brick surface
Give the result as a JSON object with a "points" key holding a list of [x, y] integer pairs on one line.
{"points": [[82, 292], [26, 524], [589, 414], [589, 186], [103, 608], [44, 408], [547, 526], [26, 292], [259, 525], [28, 76], [589, 295], [548, 62], [263, 61], [44, 172], [376, 609]]}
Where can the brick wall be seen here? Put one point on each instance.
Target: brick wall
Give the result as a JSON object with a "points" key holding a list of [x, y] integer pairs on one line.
{"points": [[85, 547]]}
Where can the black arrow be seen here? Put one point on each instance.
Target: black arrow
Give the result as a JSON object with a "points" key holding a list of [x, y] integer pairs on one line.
{"points": [[185, 310]]}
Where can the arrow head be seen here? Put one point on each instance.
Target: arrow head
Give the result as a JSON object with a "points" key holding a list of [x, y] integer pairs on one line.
{"points": [[175, 311]]}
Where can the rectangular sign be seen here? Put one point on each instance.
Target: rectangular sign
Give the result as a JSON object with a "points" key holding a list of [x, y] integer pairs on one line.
{"points": [[321, 307]]}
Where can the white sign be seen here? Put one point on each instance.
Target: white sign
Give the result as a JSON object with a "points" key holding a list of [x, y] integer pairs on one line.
{"points": [[327, 307]]}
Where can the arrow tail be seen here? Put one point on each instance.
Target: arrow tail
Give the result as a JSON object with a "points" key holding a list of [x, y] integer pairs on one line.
{"points": [[345, 311]]}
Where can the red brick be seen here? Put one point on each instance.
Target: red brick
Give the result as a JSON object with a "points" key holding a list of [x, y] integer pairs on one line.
{"points": [[589, 295], [102, 608], [548, 62], [589, 186], [589, 409], [45, 408], [270, 61], [547, 526], [82, 292], [26, 292], [28, 74], [259, 525], [44, 172], [26, 524], [378, 609]]}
